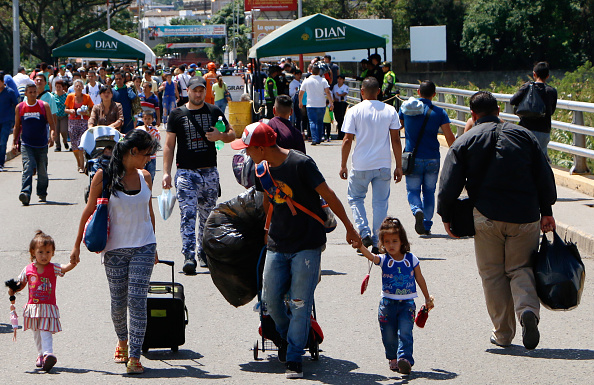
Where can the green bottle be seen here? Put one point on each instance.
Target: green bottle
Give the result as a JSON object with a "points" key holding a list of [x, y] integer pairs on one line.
{"points": [[220, 125]]}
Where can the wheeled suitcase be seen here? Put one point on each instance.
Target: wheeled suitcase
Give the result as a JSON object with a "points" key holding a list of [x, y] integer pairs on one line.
{"points": [[167, 315]]}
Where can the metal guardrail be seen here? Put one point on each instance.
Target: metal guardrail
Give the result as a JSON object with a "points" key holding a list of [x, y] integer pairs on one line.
{"points": [[576, 127]]}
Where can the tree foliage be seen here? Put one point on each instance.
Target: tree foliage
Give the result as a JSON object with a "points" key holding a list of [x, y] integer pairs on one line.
{"points": [[508, 34], [241, 36], [48, 24]]}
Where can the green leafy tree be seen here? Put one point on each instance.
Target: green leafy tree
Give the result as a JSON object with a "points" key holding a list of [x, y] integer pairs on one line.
{"points": [[48, 24], [512, 34], [241, 36]]}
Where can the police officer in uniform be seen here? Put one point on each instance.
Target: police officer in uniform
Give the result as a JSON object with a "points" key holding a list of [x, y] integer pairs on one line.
{"points": [[389, 90], [270, 91]]}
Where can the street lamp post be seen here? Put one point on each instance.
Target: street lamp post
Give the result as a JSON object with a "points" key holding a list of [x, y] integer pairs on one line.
{"points": [[16, 37]]}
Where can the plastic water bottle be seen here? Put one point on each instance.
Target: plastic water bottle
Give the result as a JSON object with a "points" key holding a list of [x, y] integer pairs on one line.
{"points": [[220, 125]]}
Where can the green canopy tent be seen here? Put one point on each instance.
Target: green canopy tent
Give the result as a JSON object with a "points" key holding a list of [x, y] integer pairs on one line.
{"points": [[315, 33], [98, 45]]}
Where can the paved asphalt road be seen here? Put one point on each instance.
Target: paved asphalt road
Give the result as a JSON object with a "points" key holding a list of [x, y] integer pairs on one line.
{"points": [[453, 347]]}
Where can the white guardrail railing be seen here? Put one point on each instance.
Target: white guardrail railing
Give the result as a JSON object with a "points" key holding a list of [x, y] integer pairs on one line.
{"points": [[576, 127]]}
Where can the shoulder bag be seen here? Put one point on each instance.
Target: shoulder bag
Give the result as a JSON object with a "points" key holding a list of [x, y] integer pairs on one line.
{"points": [[96, 230], [408, 157], [532, 106]]}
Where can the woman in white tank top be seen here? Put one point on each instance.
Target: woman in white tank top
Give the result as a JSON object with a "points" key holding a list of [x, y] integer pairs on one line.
{"points": [[131, 249]]}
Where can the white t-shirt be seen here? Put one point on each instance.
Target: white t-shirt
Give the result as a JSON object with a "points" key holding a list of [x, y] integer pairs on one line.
{"points": [[315, 86], [371, 121], [340, 90], [294, 87], [93, 92], [183, 80]]}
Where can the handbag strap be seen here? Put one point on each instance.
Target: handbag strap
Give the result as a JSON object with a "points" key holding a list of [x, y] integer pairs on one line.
{"points": [[490, 159], [422, 131], [105, 193], [197, 125]]}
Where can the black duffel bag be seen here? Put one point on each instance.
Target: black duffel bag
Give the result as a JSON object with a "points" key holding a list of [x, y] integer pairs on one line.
{"points": [[233, 240], [559, 273]]}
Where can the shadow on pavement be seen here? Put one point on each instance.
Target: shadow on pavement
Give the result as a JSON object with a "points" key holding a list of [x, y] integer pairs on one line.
{"points": [[326, 371], [435, 375], [57, 370], [332, 272], [176, 369], [54, 203], [552, 354], [165, 355]]}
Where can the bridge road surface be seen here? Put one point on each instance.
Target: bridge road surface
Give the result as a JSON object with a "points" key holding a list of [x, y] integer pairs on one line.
{"points": [[453, 348]]}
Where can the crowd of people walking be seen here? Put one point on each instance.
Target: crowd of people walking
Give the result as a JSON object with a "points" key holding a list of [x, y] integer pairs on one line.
{"points": [[502, 166]]}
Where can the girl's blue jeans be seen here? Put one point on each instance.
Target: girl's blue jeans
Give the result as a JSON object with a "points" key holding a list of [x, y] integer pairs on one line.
{"points": [[396, 319]]}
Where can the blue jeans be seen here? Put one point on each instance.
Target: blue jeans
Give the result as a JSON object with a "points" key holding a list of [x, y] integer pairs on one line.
{"points": [[396, 319], [295, 275], [423, 178], [5, 131], [34, 158], [380, 188], [543, 138], [222, 104], [151, 167], [316, 123]]}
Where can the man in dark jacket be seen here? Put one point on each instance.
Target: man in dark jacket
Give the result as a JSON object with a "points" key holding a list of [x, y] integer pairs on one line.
{"points": [[540, 127], [512, 188]]}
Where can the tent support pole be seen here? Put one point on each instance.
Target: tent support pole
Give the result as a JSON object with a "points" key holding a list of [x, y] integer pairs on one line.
{"points": [[368, 53], [301, 58]]}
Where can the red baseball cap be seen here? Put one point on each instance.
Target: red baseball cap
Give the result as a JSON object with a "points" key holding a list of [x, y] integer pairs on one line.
{"points": [[255, 135]]}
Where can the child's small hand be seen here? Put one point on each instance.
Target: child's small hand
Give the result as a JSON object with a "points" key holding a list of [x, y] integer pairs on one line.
{"points": [[429, 302]]}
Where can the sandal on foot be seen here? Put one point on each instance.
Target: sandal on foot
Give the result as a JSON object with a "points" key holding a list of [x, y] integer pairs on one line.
{"points": [[134, 367], [121, 355], [394, 365]]}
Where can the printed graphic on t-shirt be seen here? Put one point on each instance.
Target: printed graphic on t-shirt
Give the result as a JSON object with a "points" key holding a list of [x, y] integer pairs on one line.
{"points": [[195, 141], [43, 288], [284, 188]]}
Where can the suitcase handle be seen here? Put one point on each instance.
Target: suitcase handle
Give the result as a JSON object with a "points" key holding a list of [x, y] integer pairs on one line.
{"points": [[171, 263]]}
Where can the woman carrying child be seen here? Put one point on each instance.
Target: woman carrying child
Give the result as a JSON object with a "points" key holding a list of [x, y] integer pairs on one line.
{"points": [[41, 313], [131, 249], [400, 269]]}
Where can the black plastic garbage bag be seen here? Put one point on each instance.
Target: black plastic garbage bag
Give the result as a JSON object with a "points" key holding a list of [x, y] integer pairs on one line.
{"points": [[559, 273], [233, 239]]}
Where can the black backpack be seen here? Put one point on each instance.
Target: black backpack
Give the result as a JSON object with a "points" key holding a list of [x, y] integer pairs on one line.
{"points": [[532, 106]]}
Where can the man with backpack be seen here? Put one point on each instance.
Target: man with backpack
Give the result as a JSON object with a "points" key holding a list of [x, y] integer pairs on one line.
{"points": [[540, 126], [295, 236]]}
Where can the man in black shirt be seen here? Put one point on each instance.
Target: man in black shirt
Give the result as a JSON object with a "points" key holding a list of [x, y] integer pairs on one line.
{"points": [[197, 179], [540, 127], [512, 188], [295, 239]]}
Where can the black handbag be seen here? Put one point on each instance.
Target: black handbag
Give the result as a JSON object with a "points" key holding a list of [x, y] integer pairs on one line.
{"points": [[462, 221], [408, 157], [559, 274], [532, 106]]}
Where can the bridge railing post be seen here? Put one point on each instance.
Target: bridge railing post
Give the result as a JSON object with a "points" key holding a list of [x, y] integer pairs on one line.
{"points": [[460, 115], [579, 140]]}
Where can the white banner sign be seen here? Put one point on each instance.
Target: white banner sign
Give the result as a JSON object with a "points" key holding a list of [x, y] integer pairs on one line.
{"points": [[235, 85]]}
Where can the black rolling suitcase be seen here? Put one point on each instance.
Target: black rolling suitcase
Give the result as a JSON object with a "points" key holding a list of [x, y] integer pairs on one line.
{"points": [[167, 315]]}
